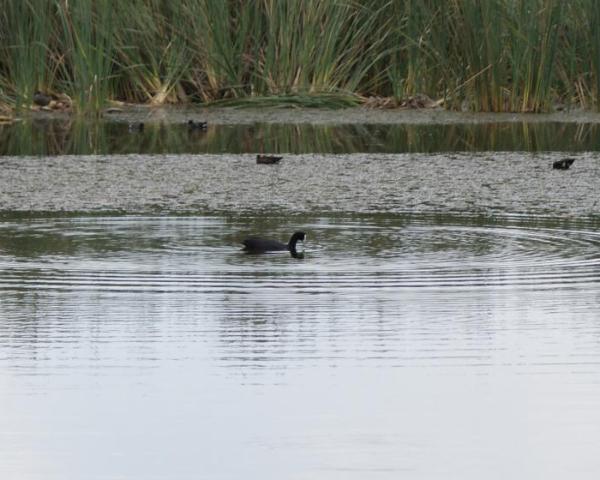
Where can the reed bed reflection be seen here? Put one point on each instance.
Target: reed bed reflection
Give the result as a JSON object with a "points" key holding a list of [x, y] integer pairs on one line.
{"points": [[73, 137]]}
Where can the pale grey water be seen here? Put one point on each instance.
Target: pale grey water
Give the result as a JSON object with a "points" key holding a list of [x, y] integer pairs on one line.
{"points": [[443, 323]]}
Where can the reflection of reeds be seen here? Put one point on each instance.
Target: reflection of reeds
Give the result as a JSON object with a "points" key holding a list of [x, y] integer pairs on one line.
{"points": [[82, 137]]}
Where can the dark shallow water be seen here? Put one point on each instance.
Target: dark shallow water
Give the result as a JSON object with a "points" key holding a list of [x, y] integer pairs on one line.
{"points": [[401, 346], [352, 133]]}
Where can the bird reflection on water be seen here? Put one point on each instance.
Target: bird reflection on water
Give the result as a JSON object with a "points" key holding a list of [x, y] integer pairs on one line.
{"points": [[256, 245]]}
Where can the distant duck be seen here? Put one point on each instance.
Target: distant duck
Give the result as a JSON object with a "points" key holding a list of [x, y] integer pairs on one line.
{"points": [[264, 245], [267, 159], [41, 99], [136, 127], [197, 126], [563, 164]]}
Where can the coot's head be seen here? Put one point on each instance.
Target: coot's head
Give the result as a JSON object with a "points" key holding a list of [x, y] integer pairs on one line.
{"points": [[298, 236]]}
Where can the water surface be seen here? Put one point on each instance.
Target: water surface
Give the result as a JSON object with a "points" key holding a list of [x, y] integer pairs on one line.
{"points": [[401, 346], [357, 133], [442, 323]]}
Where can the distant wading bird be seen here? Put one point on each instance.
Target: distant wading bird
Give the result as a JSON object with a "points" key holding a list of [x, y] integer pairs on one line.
{"points": [[197, 126], [264, 245], [267, 159], [563, 164], [136, 127], [41, 99]]}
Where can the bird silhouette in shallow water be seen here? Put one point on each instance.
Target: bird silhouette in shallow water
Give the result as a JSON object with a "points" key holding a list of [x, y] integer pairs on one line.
{"points": [[563, 164], [264, 245], [136, 127], [267, 159], [197, 126], [41, 99]]}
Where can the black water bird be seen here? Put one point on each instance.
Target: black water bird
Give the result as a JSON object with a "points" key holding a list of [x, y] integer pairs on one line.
{"points": [[197, 126], [563, 164], [136, 127], [41, 99], [264, 245], [267, 159]]}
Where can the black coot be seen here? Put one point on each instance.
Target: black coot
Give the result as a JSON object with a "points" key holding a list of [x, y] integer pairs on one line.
{"points": [[267, 159], [263, 245], [197, 125], [563, 164], [136, 127], [41, 99]]}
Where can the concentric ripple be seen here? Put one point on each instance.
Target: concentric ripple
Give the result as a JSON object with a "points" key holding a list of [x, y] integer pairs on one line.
{"points": [[203, 255], [416, 340]]}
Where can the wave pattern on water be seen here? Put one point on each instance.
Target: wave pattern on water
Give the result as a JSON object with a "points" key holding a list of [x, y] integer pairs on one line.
{"points": [[158, 337], [341, 258], [394, 290]]}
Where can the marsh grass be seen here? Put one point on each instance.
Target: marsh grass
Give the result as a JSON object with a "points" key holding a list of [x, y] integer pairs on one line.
{"points": [[87, 40], [153, 52], [492, 55], [24, 49], [588, 52]]}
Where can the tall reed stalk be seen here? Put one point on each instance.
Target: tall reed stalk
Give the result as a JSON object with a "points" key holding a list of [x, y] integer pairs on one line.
{"points": [[87, 40], [592, 29], [225, 38], [411, 23], [316, 46], [482, 55], [152, 50], [24, 39], [532, 54]]}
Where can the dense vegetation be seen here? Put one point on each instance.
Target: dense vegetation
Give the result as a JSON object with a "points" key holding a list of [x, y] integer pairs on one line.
{"points": [[484, 55]]}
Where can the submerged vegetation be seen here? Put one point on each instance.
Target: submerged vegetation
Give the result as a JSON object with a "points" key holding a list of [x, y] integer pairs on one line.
{"points": [[480, 55]]}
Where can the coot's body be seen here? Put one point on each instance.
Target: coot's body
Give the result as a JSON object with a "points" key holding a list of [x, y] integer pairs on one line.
{"points": [[261, 245], [136, 127], [267, 159], [264, 245], [197, 125], [41, 99], [563, 164]]}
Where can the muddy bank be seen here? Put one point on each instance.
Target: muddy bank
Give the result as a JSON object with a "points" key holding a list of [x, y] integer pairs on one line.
{"points": [[358, 115]]}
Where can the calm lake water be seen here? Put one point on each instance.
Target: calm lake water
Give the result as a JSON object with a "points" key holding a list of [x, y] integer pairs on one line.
{"points": [[169, 134], [443, 323]]}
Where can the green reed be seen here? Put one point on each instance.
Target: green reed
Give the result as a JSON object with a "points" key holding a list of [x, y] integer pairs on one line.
{"points": [[411, 52], [224, 37], [482, 55], [86, 38], [584, 74], [152, 51], [533, 55], [24, 48]]}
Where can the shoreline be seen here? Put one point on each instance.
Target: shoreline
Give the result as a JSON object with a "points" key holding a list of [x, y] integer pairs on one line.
{"points": [[354, 115]]}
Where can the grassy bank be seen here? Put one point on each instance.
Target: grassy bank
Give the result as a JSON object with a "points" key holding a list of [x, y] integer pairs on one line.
{"points": [[481, 55]]}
